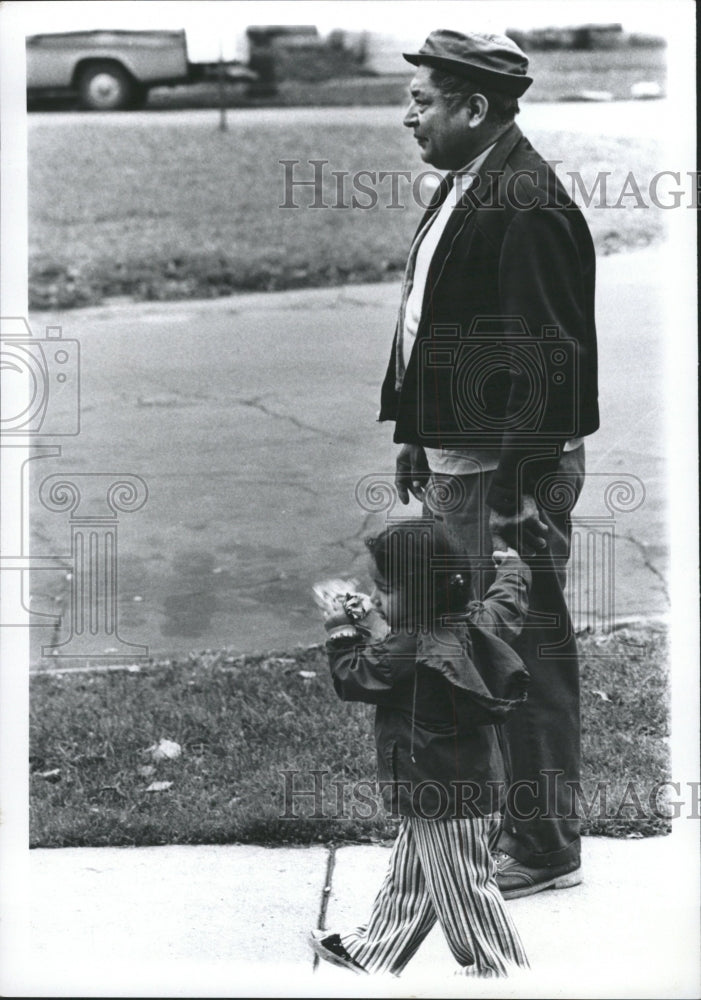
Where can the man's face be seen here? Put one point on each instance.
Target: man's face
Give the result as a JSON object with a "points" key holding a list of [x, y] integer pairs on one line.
{"points": [[445, 137]]}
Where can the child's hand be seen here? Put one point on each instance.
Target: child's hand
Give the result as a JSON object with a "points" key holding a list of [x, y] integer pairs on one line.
{"points": [[374, 625], [366, 617], [348, 613], [339, 626]]}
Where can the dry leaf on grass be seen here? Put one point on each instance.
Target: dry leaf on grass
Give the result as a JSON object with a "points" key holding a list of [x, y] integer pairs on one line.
{"points": [[164, 750], [159, 786]]}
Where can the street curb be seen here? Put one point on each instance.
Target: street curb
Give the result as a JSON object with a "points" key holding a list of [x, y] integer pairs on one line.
{"points": [[659, 623]]}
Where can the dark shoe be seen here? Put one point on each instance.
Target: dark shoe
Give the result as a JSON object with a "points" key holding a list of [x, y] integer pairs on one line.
{"points": [[516, 879], [328, 946]]}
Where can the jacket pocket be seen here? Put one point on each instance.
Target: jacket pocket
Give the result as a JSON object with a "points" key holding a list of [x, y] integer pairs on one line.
{"points": [[437, 728]]}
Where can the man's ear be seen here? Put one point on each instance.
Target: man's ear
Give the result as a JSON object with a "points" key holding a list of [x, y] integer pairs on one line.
{"points": [[477, 106]]}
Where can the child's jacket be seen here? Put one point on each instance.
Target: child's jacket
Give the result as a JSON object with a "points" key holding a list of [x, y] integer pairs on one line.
{"points": [[439, 698]]}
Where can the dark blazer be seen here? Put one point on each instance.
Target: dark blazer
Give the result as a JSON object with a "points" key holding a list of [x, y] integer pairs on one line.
{"points": [[505, 355], [439, 698]]}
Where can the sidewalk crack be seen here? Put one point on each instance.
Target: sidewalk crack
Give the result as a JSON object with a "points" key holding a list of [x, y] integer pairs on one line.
{"points": [[642, 549], [255, 403]]}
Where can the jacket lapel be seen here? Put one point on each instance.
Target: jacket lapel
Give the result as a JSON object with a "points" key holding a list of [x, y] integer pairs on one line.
{"points": [[477, 195], [481, 192], [437, 199]]}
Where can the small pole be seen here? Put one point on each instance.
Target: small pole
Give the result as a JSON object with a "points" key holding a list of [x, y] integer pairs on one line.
{"points": [[220, 90]]}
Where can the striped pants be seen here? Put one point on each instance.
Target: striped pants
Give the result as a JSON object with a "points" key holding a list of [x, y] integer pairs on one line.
{"points": [[440, 870]]}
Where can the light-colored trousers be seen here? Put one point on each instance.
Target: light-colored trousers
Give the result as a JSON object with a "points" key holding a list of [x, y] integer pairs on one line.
{"points": [[440, 870]]}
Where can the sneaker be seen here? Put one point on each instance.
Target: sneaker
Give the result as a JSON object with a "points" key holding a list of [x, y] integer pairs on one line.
{"points": [[516, 879], [328, 946]]}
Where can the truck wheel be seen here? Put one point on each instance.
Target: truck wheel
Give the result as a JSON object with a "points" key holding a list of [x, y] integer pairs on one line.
{"points": [[106, 87]]}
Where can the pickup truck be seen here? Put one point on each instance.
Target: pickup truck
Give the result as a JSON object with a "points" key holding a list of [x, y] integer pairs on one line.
{"points": [[113, 70]]}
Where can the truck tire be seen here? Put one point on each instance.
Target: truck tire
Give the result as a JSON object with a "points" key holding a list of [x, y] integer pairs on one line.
{"points": [[106, 86]]}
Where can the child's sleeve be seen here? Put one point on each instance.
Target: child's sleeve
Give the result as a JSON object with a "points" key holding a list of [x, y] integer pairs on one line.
{"points": [[505, 605], [370, 672]]}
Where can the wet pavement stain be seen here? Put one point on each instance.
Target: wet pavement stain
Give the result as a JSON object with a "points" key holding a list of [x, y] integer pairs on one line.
{"points": [[191, 598]]}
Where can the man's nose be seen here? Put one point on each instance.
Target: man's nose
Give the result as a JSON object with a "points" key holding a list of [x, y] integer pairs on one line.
{"points": [[410, 116]]}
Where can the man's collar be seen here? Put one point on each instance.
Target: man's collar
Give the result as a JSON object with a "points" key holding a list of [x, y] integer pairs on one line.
{"points": [[495, 153], [483, 175], [504, 145], [473, 166]]}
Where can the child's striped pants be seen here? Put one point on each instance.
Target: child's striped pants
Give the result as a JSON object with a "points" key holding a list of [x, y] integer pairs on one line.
{"points": [[440, 870]]}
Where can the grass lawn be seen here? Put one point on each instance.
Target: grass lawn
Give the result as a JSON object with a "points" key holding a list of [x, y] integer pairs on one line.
{"points": [[175, 212], [558, 75], [241, 722]]}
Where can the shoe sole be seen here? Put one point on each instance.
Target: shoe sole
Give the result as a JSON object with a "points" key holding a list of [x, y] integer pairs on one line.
{"points": [[561, 882], [328, 956]]}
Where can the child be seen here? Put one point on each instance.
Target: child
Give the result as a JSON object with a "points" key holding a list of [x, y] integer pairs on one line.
{"points": [[442, 677]]}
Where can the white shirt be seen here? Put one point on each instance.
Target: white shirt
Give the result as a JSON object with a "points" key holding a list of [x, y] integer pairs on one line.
{"points": [[429, 238]]}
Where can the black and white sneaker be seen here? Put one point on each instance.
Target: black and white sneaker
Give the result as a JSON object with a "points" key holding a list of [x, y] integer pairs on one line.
{"points": [[327, 945]]}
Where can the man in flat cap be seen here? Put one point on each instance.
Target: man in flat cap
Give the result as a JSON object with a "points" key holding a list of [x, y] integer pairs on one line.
{"points": [[492, 384]]}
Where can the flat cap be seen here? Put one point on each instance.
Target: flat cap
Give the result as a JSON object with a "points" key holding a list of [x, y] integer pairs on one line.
{"points": [[493, 60]]}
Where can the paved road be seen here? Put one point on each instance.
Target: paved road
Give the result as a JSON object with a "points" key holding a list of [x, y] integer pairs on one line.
{"points": [[252, 420]]}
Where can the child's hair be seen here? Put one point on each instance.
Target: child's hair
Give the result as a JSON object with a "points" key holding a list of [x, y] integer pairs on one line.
{"points": [[414, 557]]}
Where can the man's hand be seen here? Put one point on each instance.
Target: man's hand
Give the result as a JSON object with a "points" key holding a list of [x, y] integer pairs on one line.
{"points": [[523, 531], [412, 472]]}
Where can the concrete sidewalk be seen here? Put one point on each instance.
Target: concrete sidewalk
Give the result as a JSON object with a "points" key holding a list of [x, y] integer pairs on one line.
{"points": [[233, 921]]}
